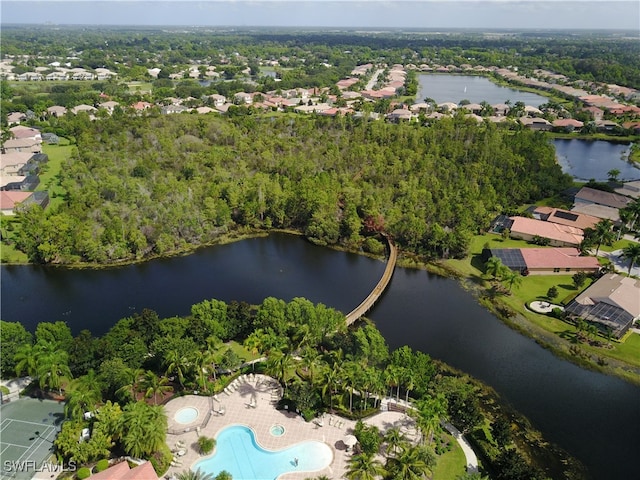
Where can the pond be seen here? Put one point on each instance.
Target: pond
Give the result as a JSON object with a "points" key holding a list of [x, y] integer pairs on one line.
{"points": [[454, 88], [592, 159], [593, 416]]}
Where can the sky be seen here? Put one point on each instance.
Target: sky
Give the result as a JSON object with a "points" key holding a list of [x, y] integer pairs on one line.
{"points": [[432, 14]]}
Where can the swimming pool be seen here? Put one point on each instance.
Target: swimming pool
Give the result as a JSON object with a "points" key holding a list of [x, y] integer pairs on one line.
{"points": [[238, 453], [186, 415]]}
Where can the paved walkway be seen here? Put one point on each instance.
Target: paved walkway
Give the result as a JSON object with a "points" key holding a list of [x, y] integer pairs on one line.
{"points": [[469, 454]]}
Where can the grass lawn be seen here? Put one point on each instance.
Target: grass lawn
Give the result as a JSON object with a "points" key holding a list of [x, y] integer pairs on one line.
{"points": [[619, 245], [241, 351], [451, 464], [535, 287], [50, 179], [9, 254], [139, 87]]}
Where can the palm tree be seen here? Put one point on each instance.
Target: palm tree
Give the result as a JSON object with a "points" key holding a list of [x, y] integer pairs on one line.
{"points": [[279, 366], [176, 363], [511, 278], [52, 365], [493, 267], [416, 462], [430, 411], [311, 362], [632, 253], [393, 374], [144, 429], [396, 441], [131, 387], [364, 467], [84, 394], [26, 360], [330, 382], [602, 233], [154, 386], [634, 208], [197, 475]]}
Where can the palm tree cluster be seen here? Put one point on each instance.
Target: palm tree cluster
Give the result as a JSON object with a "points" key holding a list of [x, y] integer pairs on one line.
{"points": [[498, 270], [45, 361]]}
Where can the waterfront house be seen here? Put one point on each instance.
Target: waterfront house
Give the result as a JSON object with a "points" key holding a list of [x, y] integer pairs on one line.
{"points": [[567, 124], [544, 261], [558, 235], [565, 217], [611, 302], [536, 123], [56, 111], [588, 196]]}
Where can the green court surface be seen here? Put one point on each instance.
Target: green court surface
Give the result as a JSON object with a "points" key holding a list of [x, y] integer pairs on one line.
{"points": [[28, 428]]}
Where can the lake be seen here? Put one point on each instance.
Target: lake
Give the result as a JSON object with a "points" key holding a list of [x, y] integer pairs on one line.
{"points": [[594, 417], [587, 159], [453, 88]]}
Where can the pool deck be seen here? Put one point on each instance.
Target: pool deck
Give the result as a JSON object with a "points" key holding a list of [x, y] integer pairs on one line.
{"points": [[236, 403]]}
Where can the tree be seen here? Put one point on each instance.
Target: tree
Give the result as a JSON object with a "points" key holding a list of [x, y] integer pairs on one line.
{"points": [[152, 385], [144, 429], [395, 440], [501, 432], [428, 414], [552, 293], [511, 278], [197, 475], [631, 253], [415, 462], [52, 365], [493, 267], [13, 336], [206, 444], [364, 467], [83, 395], [602, 233], [578, 279], [613, 174]]}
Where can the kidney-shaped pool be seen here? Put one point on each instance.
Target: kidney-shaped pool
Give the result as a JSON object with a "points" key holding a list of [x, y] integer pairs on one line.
{"points": [[238, 453]]}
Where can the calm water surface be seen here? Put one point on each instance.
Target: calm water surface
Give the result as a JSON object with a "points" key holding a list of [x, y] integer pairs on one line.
{"points": [[595, 417], [453, 88], [586, 159]]}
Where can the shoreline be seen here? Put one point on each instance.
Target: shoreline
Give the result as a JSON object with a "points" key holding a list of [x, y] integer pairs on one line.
{"points": [[518, 322]]}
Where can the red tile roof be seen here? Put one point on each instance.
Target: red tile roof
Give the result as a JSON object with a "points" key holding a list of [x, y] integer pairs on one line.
{"points": [[552, 231], [557, 258], [9, 199]]}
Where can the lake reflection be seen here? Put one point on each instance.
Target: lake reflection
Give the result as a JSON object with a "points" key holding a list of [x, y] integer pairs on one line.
{"points": [[454, 88], [587, 159]]}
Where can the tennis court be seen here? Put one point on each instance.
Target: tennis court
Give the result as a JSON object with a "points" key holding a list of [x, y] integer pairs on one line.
{"points": [[28, 428]]}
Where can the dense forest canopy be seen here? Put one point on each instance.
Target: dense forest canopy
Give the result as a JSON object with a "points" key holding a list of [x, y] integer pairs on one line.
{"points": [[147, 185]]}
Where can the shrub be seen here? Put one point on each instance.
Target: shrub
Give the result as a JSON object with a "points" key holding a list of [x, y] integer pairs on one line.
{"points": [[206, 445], [101, 465], [83, 473], [161, 460]]}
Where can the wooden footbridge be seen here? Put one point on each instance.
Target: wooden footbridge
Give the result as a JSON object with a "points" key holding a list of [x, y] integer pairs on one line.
{"points": [[368, 302]]}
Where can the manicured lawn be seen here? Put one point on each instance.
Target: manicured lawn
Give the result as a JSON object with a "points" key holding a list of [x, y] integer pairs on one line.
{"points": [[451, 464], [139, 87], [242, 352], [50, 179], [619, 245], [9, 254]]}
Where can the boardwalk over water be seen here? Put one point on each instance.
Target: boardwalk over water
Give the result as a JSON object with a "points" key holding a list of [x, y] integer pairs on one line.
{"points": [[368, 302]]}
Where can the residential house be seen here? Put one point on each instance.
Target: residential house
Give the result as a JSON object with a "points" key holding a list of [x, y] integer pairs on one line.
{"points": [[26, 132], [56, 111], [217, 99], [544, 261], [170, 109], [84, 108], [399, 114], [558, 235], [588, 196], [567, 124], [500, 109], [536, 123], [606, 125], [9, 200], [243, 98], [612, 302], [56, 77], [16, 117], [12, 162], [532, 111], [565, 217], [21, 182], [600, 211], [109, 106], [140, 106], [22, 145], [122, 471]]}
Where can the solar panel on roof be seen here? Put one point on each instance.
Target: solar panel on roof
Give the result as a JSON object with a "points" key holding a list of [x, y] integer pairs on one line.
{"points": [[566, 215]]}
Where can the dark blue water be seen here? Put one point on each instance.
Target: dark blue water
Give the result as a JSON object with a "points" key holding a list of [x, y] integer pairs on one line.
{"points": [[587, 159], [595, 417], [454, 88]]}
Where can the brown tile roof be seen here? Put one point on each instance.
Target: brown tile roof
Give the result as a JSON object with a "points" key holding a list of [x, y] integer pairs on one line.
{"points": [[557, 258], [565, 217], [601, 197], [614, 289]]}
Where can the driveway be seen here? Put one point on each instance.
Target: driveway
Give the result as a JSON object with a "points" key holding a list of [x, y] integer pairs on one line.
{"points": [[620, 264]]}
